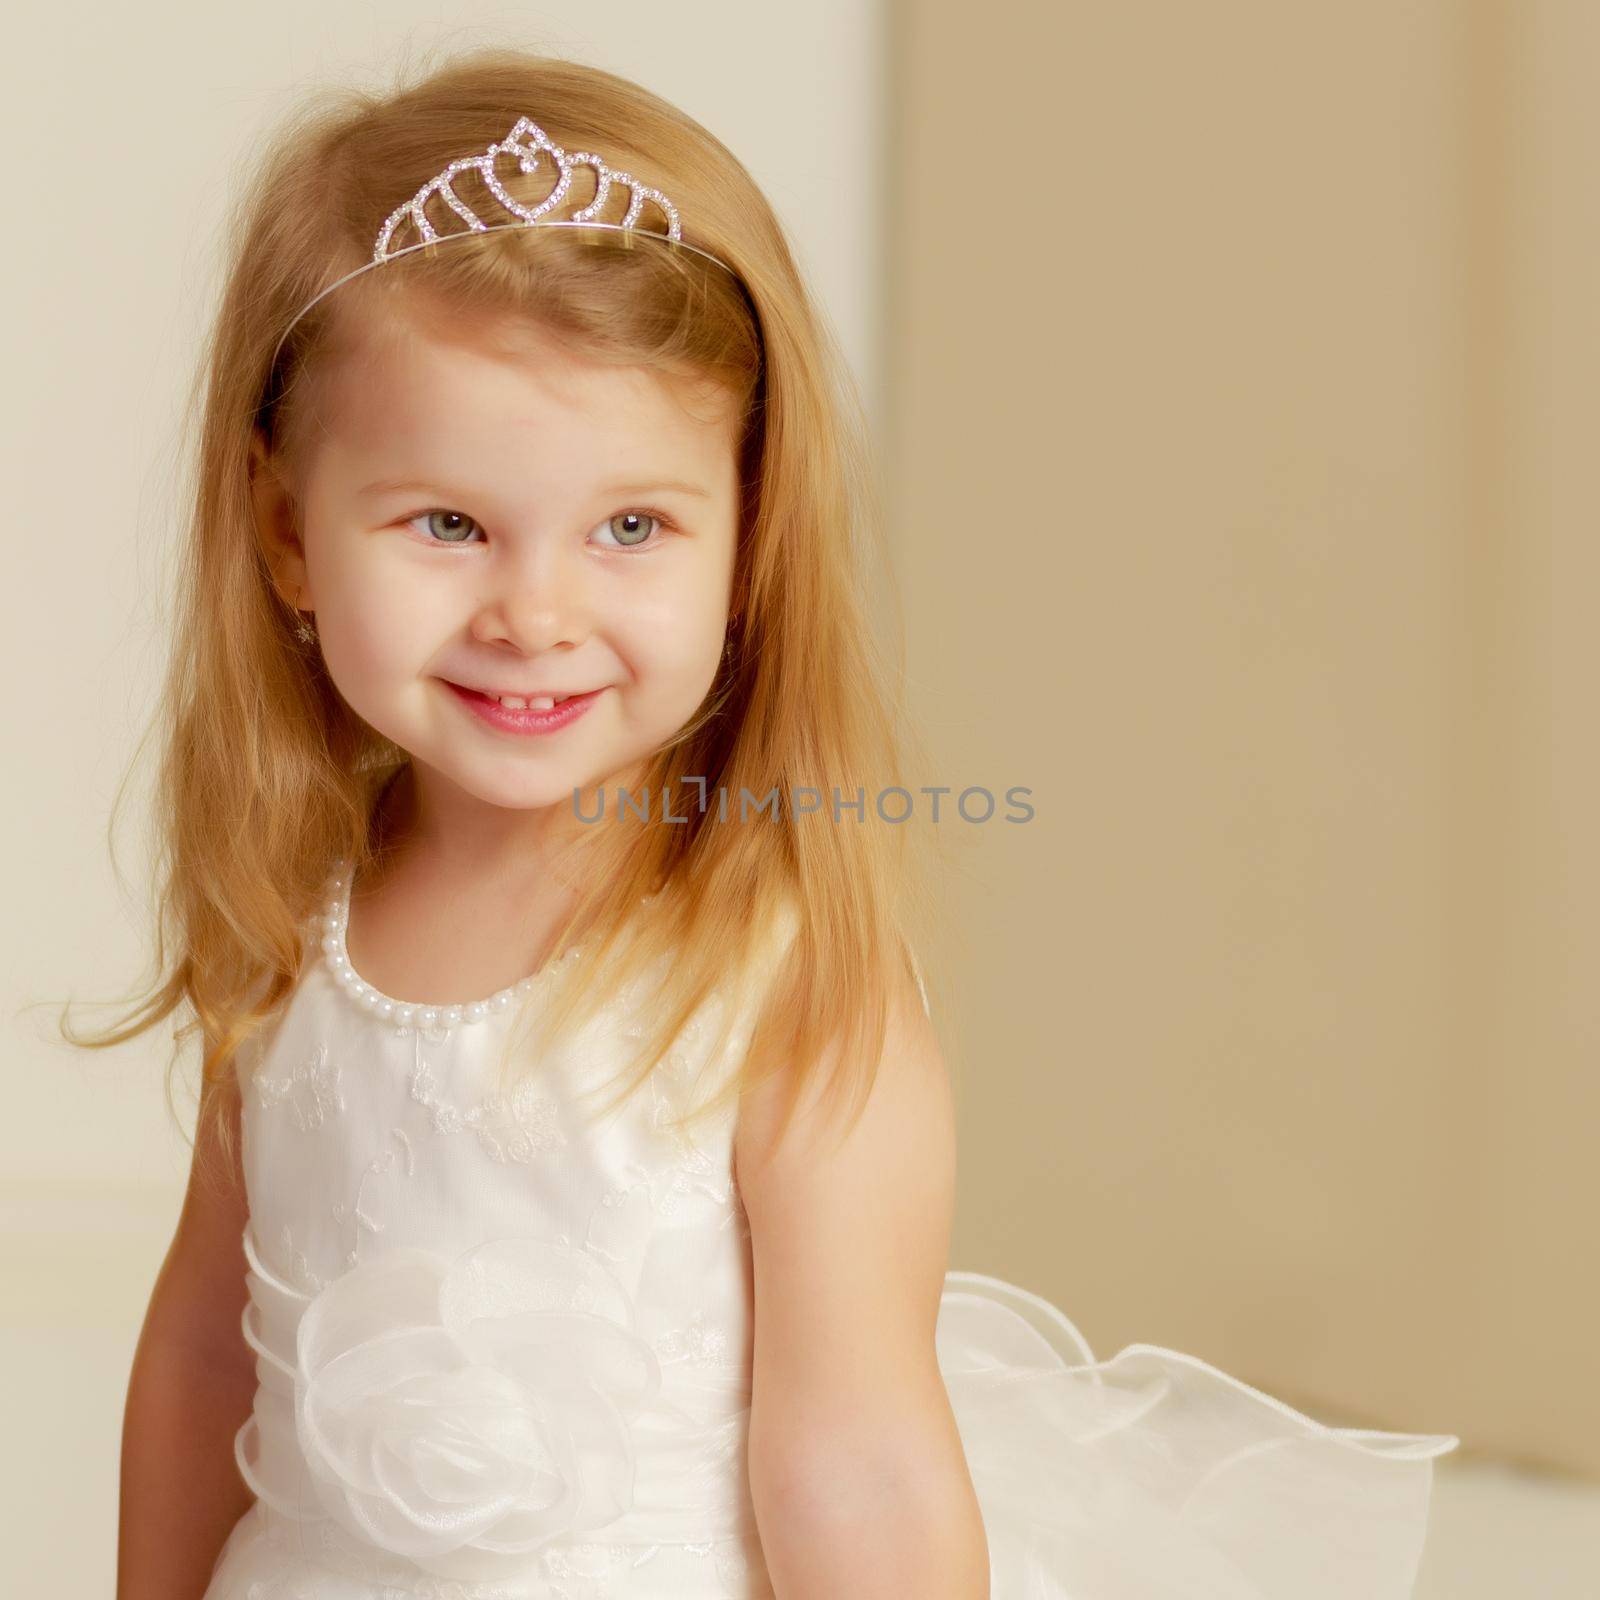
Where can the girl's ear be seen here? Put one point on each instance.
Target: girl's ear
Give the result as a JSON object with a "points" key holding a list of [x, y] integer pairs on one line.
{"points": [[275, 526]]}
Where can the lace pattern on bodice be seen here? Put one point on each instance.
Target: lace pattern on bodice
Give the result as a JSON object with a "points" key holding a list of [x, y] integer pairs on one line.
{"points": [[502, 1344]]}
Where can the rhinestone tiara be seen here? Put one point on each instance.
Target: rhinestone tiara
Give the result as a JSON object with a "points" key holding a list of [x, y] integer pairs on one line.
{"points": [[525, 141]]}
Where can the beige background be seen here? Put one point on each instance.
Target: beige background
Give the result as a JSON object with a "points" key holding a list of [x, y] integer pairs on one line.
{"points": [[1242, 382], [1230, 363]]}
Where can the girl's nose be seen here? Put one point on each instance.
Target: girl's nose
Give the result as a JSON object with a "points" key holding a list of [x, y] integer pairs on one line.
{"points": [[536, 603]]}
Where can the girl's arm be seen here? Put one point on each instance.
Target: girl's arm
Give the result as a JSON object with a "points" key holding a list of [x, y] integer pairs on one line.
{"points": [[191, 1387], [856, 1467]]}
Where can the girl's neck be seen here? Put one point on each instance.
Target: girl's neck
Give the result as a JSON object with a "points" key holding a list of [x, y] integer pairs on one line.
{"points": [[446, 926], [412, 837]]}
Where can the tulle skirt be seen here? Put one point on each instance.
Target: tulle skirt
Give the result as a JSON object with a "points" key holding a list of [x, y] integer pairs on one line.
{"points": [[1155, 1476]]}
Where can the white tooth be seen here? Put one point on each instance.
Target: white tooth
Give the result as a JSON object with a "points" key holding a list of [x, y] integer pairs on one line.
{"points": [[517, 702]]}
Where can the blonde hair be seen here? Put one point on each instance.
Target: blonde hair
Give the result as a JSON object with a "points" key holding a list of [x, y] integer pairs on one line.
{"points": [[267, 776]]}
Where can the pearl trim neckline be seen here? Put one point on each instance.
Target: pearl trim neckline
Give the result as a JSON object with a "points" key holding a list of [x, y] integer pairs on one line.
{"points": [[409, 1014]]}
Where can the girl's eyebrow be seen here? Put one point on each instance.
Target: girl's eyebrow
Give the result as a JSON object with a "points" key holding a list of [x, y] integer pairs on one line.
{"points": [[417, 486]]}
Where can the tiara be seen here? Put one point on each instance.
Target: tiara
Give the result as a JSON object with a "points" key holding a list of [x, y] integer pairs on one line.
{"points": [[525, 141]]}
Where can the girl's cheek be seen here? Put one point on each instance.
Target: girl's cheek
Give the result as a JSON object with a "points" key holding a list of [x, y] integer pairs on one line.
{"points": [[391, 611], [374, 633]]}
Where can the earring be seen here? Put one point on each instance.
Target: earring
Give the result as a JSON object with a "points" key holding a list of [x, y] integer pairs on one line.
{"points": [[304, 632]]}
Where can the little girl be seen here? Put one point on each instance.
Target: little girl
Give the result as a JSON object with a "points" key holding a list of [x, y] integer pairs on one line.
{"points": [[573, 1179]]}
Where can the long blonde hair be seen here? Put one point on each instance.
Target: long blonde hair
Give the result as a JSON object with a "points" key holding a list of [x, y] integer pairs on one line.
{"points": [[267, 776]]}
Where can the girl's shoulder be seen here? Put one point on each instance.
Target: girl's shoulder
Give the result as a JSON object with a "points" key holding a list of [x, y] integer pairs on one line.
{"points": [[778, 933]]}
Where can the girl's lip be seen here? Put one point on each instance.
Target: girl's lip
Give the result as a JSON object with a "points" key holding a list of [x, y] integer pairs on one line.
{"points": [[517, 694], [524, 720]]}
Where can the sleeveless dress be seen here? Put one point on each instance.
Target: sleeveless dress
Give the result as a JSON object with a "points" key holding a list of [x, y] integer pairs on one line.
{"points": [[504, 1352]]}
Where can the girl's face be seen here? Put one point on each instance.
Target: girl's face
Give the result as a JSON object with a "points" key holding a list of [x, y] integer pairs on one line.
{"points": [[526, 525]]}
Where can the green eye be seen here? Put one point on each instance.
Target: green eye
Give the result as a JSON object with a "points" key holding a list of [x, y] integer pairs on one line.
{"points": [[625, 527], [449, 526]]}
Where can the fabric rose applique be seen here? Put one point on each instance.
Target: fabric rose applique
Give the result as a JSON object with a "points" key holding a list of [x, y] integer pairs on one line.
{"points": [[461, 1412]]}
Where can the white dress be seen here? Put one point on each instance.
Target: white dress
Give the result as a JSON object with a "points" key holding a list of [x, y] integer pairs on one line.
{"points": [[504, 1353]]}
